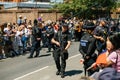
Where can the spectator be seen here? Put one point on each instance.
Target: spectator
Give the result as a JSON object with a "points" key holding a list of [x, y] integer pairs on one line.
{"points": [[29, 35], [8, 34], [18, 41], [114, 50], [19, 21], [25, 20]]}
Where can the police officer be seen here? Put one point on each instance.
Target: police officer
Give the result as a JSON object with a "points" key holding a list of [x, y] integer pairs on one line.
{"points": [[87, 47], [20, 20], [100, 33], [50, 34], [36, 39], [61, 41]]}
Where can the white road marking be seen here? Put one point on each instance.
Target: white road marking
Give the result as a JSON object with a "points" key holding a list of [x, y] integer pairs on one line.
{"points": [[31, 73]]}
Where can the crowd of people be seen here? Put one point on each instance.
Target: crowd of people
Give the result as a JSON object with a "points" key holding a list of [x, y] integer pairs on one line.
{"points": [[17, 38], [99, 34], [100, 48]]}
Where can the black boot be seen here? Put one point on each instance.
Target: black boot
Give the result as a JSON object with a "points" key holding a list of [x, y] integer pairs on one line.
{"points": [[62, 75], [37, 54], [58, 73]]}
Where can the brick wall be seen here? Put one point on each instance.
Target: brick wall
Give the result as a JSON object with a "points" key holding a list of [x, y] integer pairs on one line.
{"points": [[12, 15]]}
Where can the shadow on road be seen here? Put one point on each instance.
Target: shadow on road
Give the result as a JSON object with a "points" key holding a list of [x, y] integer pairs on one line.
{"points": [[73, 72], [44, 55], [1, 60]]}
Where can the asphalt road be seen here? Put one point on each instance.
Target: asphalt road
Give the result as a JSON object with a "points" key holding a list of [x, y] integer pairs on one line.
{"points": [[41, 68]]}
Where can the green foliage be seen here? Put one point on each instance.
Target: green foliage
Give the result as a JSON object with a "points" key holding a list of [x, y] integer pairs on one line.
{"points": [[85, 8], [118, 5]]}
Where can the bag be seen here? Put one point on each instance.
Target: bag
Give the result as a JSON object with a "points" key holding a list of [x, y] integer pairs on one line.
{"points": [[109, 73]]}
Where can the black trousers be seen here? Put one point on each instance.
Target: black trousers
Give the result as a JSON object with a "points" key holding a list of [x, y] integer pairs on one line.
{"points": [[87, 64], [35, 47], [49, 43], [60, 60]]}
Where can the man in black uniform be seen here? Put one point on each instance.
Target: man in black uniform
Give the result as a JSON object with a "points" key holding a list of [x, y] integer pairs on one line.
{"points": [[61, 41], [87, 47], [100, 33], [36, 39], [50, 34]]}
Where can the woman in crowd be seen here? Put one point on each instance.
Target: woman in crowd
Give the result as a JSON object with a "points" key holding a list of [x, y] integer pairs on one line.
{"points": [[113, 47]]}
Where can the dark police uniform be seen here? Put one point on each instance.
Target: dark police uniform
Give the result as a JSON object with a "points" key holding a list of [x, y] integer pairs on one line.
{"points": [[60, 54], [36, 33], [50, 34], [101, 32], [87, 48]]}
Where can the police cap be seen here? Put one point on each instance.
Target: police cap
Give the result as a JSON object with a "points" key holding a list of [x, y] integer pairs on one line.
{"points": [[89, 25]]}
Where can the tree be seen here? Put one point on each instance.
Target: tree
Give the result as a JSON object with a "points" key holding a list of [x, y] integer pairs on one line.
{"points": [[71, 8], [100, 6], [86, 8]]}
